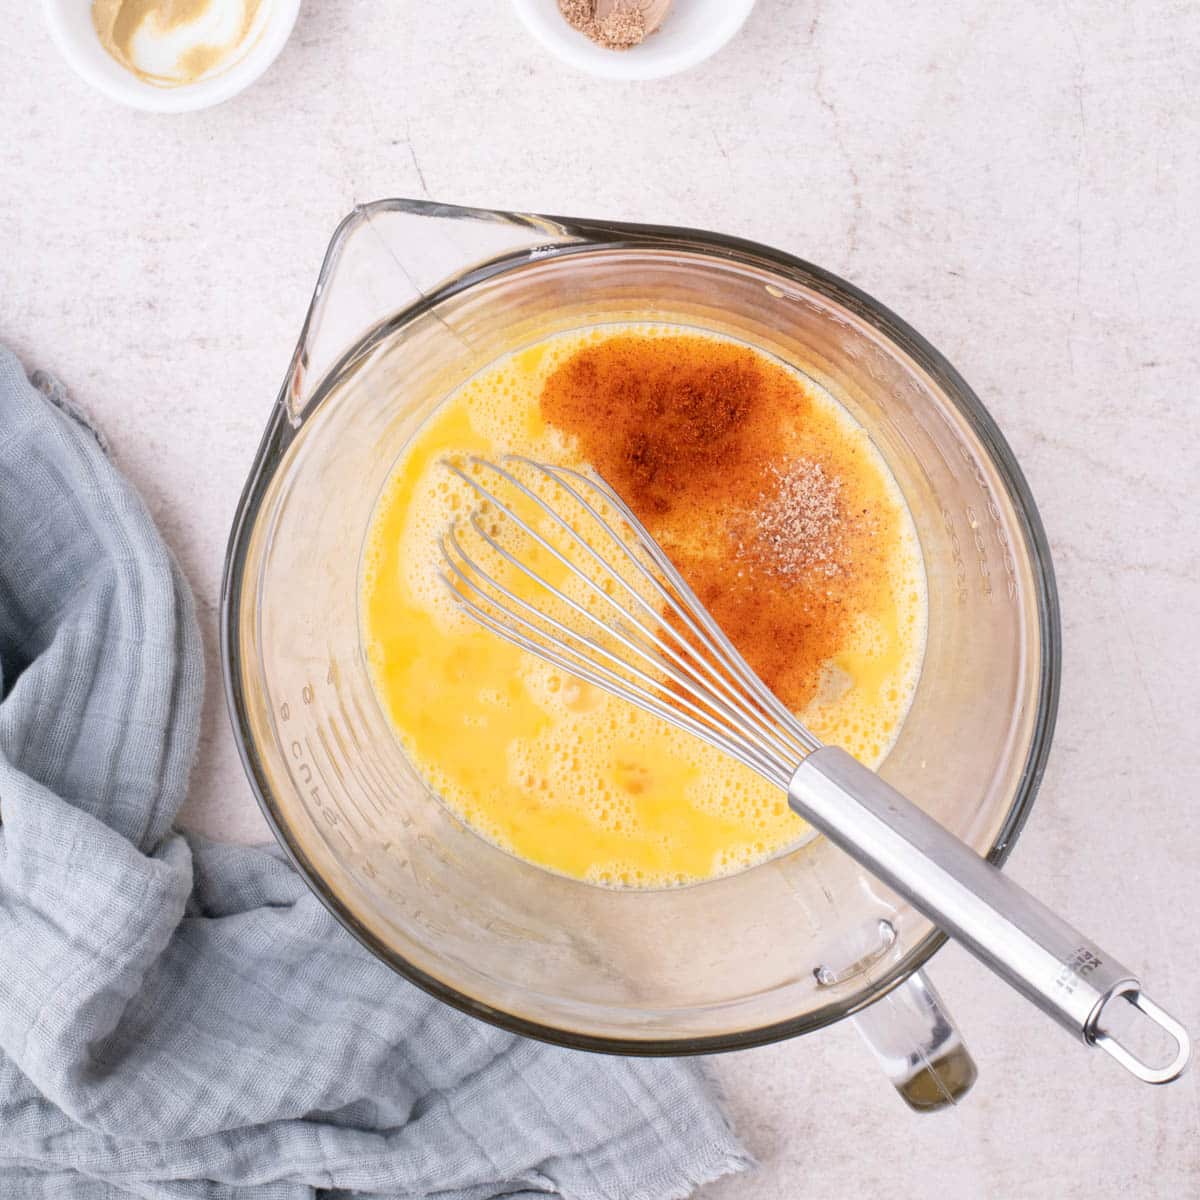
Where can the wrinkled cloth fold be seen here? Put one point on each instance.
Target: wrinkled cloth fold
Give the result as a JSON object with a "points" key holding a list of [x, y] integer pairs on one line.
{"points": [[183, 1019]]}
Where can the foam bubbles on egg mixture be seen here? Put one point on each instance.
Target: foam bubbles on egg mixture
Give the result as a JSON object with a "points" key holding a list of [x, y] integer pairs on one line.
{"points": [[557, 771]]}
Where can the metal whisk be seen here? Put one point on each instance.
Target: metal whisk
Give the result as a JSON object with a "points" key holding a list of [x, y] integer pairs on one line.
{"points": [[555, 562]]}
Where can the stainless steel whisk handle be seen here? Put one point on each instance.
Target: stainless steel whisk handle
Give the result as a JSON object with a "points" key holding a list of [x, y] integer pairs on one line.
{"points": [[1019, 938]]}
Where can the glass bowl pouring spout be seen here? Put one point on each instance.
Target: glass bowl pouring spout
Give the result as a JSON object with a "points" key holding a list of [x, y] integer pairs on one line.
{"points": [[391, 255]]}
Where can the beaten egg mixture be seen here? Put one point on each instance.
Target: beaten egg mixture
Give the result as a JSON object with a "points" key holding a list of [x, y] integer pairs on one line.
{"points": [[775, 506]]}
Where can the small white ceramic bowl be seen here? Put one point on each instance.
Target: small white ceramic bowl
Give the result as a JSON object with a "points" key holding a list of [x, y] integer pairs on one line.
{"points": [[71, 27], [693, 31]]}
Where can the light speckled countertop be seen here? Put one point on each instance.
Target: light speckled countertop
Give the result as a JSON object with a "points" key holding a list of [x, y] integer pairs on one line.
{"points": [[1019, 181]]}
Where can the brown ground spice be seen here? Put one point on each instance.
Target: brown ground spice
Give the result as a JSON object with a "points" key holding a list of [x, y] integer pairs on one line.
{"points": [[621, 27], [796, 528], [714, 447]]}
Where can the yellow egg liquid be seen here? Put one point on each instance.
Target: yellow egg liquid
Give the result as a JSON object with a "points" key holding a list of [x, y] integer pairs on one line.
{"points": [[558, 772]]}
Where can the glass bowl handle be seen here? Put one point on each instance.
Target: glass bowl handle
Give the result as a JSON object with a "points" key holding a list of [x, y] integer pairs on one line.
{"points": [[918, 1045]]}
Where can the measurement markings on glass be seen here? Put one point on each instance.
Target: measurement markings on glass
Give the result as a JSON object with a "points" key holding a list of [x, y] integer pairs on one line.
{"points": [[359, 761], [307, 770], [385, 791], [374, 780], [379, 789], [331, 810], [337, 767], [994, 514]]}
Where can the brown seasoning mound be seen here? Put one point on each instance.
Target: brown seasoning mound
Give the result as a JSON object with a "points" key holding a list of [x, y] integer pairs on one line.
{"points": [[622, 28], [797, 524], [721, 454]]}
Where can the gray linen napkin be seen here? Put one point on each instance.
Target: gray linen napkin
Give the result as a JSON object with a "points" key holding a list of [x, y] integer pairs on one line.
{"points": [[180, 1018]]}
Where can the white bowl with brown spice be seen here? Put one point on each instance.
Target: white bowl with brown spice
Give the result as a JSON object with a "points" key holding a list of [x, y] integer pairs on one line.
{"points": [[633, 39], [170, 55]]}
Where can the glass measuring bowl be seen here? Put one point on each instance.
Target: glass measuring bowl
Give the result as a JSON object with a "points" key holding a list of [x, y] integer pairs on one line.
{"points": [[412, 299]]}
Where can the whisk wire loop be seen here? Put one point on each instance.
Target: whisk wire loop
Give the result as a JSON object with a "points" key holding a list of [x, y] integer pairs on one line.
{"points": [[663, 653], [572, 650], [722, 651], [692, 671], [612, 683], [693, 611]]}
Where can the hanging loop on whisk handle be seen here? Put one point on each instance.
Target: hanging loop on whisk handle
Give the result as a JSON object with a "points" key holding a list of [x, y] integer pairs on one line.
{"points": [[1051, 963]]}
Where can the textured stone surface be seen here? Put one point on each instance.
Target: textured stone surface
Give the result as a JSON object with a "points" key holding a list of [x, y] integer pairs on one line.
{"points": [[1020, 181]]}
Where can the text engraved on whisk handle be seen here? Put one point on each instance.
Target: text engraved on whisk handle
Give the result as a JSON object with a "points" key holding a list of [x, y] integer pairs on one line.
{"points": [[1046, 959]]}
